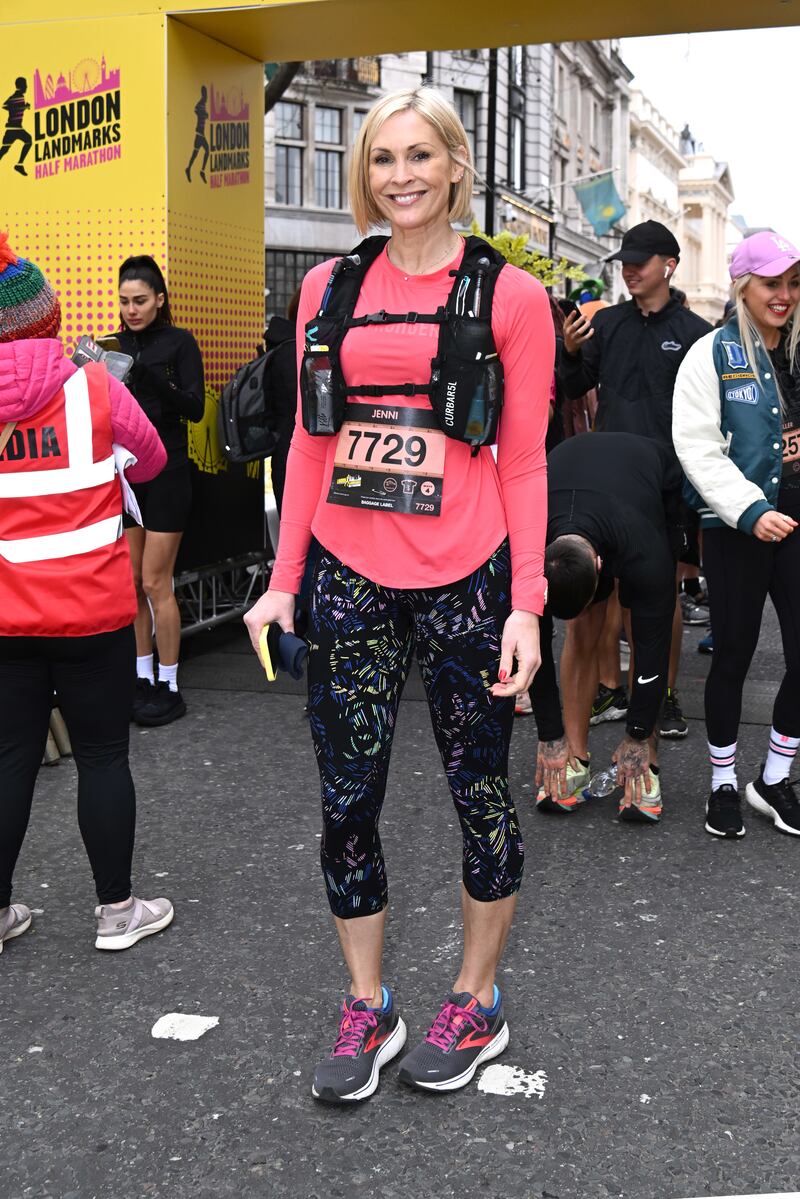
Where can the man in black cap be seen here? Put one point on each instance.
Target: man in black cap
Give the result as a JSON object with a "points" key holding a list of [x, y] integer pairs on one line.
{"points": [[631, 353]]}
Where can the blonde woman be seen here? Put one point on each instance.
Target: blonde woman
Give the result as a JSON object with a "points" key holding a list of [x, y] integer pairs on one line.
{"points": [[427, 546], [736, 427]]}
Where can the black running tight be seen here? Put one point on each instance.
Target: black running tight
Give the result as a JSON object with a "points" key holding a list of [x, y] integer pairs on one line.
{"points": [[741, 572], [94, 679]]}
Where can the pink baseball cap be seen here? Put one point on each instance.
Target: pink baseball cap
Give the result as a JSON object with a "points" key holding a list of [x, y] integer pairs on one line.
{"points": [[766, 254]]}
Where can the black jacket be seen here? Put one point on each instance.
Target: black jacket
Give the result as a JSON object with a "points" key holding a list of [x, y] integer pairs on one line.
{"points": [[281, 379], [633, 360], [167, 380]]}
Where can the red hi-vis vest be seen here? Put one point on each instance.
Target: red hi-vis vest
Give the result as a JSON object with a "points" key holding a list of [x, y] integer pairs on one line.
{"points": [[64, 563]]}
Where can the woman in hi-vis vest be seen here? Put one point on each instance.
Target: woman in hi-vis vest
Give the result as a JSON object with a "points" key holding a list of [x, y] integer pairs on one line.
{"points": [[67, 600]]}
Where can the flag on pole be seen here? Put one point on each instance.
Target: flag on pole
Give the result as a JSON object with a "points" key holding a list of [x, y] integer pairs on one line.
{"points": [[600, 202]]}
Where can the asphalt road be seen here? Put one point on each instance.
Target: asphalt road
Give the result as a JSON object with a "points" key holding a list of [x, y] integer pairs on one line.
{"points": [[649, 983]]}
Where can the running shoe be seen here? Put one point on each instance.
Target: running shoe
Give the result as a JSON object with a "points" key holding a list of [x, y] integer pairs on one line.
{"points": [[15, 921], [778, 801], [119, 928], [706, 644], [163, 706], [648, 809], [368, 1039], [577, 783], [610, 703], [142, 696], [522, 705], [672, 723], [461, 1037], [692, 612], [724, 813]]}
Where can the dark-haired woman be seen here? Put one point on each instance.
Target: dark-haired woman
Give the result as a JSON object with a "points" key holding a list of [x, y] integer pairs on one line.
{"points": [[167, 380]]}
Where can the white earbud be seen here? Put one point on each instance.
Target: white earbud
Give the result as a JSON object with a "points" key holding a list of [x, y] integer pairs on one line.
{"points": [[666, 272]]}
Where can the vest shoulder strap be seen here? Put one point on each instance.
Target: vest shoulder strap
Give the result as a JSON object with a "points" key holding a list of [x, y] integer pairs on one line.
{"points": [[341, 294]]}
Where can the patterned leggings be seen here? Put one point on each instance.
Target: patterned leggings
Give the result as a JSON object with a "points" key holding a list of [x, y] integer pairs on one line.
{"points": [[361, 643]]}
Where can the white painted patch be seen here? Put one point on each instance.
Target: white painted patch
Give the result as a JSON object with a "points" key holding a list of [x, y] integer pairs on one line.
{"points": [[178, 1026], [644, 1098], [37, 911], [36, 1049], [649, 917], [510, 1080], [162, 874]]}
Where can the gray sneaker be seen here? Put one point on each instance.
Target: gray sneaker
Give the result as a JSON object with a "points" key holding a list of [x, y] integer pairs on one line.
{"points": [[119, 928], [15, 921]]}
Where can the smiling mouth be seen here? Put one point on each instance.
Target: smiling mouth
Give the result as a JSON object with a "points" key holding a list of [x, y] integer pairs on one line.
{"points": [[404, 199], [779, 309]]}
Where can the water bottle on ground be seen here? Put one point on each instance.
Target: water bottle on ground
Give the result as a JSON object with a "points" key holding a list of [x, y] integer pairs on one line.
{"points": [[602, 784]]}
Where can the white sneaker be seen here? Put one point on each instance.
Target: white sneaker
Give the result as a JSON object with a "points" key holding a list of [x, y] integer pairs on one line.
{"points": [[119, 928], [15, 922]]}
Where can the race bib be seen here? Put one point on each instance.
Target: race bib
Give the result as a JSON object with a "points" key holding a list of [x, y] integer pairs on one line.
{"points": [[391, 459], [791, 452]]}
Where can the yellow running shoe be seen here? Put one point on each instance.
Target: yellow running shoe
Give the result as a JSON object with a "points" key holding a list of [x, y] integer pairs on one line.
{"points": [[577, 781], [648, 809]]}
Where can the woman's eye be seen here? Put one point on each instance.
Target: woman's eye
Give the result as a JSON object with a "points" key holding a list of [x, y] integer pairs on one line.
{"points": [[422, 155], [380, 160]]}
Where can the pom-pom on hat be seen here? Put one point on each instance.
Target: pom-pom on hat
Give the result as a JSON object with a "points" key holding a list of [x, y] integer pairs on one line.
{"points": [[28, 305]]}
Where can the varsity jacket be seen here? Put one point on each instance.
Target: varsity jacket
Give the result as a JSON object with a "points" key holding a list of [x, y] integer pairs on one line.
{"points": [[64, 562], [726, 426]]}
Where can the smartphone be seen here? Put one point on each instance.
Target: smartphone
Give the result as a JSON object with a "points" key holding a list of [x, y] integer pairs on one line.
{"points": [[568, 306]]}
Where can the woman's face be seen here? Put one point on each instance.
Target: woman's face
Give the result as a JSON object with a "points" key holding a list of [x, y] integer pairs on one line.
{"points": [[771, 302], [139, 304], [411, 172]]}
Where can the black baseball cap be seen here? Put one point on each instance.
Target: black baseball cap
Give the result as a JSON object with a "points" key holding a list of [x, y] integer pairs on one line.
{"points": [[644, 240]]}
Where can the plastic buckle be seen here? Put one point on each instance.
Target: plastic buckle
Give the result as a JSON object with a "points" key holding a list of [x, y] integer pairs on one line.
{"points": [[375, 318], [411, 318]]}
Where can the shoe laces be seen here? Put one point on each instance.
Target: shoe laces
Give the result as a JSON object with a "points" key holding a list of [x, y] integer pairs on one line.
{"points": [[671, 706], [449, 1022], [788, 794], [726, 798], [352, 1030]]}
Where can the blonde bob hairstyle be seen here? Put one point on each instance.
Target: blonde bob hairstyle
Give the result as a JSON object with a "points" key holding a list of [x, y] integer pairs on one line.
{"points": [[440, 114]]}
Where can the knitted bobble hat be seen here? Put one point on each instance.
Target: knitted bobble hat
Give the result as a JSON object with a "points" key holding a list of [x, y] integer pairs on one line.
{"points": [[28, 305]]}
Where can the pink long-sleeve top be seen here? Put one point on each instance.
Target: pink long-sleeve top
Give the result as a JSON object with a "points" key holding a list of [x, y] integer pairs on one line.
{"points": [[483, 501]]}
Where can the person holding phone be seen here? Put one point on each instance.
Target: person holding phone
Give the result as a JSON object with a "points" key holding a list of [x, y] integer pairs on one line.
{"points": [[427, 545]]}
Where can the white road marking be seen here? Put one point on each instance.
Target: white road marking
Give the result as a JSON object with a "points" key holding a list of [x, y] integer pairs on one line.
{"points": [[510, 1080], [644, 1098], [178, 1026], [36, 1049]]}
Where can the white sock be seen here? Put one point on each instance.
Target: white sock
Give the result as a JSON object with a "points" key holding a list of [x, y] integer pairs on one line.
{"points": [[780, 757], [168, 674], [144, 668], [723, 765]]}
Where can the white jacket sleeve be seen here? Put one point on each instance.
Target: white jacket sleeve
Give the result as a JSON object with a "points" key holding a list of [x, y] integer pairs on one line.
{"points": [[700, 444]]}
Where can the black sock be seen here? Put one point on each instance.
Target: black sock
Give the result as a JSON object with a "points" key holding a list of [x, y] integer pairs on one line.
{"points": [[692, 587]]}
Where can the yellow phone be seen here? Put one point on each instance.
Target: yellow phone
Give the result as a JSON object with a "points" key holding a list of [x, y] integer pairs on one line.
{"points": [[266, 653]]}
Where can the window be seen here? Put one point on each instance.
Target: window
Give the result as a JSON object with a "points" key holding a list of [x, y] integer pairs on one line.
{"points": [[284, 274], [328, 178], [288, 175], [466, 105], [358, 120], [289, 119], [328, 161], [328, 125]]}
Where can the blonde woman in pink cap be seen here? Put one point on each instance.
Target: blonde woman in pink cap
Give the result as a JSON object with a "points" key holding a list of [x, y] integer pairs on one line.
{"points": [[736, 428]]}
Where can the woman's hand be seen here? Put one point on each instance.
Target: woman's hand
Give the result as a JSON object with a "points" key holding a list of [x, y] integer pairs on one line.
{"points": [[521, 641], [273, 606], [773, 526], [577, 330], [551, 767]]}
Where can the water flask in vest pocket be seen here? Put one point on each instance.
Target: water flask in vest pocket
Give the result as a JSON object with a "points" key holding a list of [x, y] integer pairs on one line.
{"points": [[467, 383], [322, 387]]}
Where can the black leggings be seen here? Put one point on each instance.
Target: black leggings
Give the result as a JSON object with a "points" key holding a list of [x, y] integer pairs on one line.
{"points": [[361, 643], [94, 680], [741, 572]]}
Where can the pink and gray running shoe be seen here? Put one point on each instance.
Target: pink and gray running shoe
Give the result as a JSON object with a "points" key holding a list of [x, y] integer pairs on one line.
{"points": [[368, 1039], [461, 1038]]}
